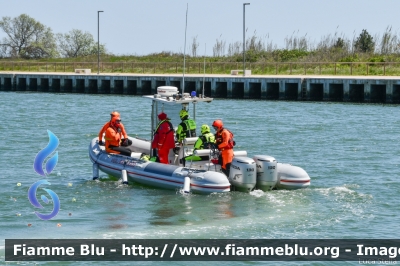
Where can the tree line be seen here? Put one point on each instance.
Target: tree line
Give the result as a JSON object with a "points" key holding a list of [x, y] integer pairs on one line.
{"points": [[30, 39], [27, 38]]}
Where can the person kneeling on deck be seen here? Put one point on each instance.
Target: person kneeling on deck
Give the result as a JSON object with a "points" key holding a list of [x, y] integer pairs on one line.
{"points": [[113, 138], [126, 141], [163, 139], [205, 141], [225, 143], [187, 128]]}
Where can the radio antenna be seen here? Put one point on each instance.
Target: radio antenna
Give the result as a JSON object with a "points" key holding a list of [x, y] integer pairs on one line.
{"points": [[184, 53]]}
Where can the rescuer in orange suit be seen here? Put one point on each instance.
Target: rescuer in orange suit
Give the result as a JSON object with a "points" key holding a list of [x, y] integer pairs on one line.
{"points": [[126, 141], [225, 143], [164, 139], [113, 138]]}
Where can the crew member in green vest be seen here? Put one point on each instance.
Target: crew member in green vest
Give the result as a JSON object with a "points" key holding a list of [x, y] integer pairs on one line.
{"points": [[187, 128], [205, 141]]}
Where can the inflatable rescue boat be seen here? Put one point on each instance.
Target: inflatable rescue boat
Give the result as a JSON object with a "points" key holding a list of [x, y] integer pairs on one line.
{"points": [[246, 174]]}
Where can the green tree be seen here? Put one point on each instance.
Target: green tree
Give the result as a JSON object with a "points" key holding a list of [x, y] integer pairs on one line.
{"points": [[339, 43], [27, 38], [77, 43], [364, 43]]}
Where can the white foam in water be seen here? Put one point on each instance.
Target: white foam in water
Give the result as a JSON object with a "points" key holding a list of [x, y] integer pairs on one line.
{"points": [[257, 193]]}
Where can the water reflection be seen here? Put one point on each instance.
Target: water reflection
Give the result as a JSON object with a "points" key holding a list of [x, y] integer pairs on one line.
{"points": [[190, 209], [116, 217]]}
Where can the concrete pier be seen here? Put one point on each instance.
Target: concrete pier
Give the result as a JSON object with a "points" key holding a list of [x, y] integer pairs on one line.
{"points": [[369, 89]]}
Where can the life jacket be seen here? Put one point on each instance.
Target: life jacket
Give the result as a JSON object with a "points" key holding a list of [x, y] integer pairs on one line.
{"points": [[112, 141], [208, 141], [219, 140], [170, 126], [188, 129], [166, 138]]}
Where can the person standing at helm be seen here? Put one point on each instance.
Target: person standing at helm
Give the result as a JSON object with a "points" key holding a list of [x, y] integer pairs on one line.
{"points": [[187, 128], [225, 143], [107, 125], [163, 139], [113, 138]]}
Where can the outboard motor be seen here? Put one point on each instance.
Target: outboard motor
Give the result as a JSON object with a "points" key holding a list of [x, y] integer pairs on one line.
{"points": [[242, 174], [267, 174]]}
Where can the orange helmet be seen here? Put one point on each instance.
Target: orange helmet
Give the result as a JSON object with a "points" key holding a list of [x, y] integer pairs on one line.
{"points": [[217, 124], [115, 121], [115, 113]]}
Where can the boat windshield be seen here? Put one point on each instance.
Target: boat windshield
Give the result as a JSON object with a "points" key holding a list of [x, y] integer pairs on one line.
{"points": [[172, 104]]}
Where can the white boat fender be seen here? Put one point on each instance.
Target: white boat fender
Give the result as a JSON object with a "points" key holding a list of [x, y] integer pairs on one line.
{"points": [[205, 152], [95, 171], [186, 185], [124, 176]]}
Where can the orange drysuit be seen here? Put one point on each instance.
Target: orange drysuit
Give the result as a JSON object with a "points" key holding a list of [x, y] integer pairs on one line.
{"points": [[107, 125], [113, 138], [224, 140]]}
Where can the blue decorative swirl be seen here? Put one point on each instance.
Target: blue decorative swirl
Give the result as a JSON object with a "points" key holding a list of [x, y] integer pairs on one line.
{"points": [[32, 198], [41, 156]]}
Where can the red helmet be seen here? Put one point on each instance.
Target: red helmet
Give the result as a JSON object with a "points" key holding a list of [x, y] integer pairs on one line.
{"points": [[218, 124]]}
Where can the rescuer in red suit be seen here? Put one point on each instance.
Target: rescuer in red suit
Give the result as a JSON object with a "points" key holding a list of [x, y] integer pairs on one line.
{"points": [[164, 139]]}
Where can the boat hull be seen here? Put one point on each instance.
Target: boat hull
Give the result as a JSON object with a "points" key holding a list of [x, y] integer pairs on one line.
{"points": [[292, 177], [157, 174], [261, 172]]}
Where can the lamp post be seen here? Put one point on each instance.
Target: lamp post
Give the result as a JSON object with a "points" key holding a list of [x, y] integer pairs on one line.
{"points": [[244, 37], [98, 42]]}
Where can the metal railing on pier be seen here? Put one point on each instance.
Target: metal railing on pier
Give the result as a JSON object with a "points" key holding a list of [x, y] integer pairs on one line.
{"points": [[286, 68]]}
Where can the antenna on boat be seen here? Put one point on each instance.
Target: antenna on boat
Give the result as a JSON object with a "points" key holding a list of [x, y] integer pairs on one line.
{"points": [[204, 76], [184, 53]]}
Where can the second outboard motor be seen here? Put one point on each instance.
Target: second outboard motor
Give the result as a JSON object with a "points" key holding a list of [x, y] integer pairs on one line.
{"points": [[242, 174], [267, 174]]}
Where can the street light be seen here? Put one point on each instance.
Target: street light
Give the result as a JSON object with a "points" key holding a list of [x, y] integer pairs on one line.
{"points": [[244, 38], [98, 42]]}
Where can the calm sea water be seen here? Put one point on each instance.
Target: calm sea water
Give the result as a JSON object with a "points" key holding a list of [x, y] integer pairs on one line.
{"points": [[350, 151]]}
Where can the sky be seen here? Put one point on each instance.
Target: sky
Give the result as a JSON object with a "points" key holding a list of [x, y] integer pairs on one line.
{"points": [[141, 27]]}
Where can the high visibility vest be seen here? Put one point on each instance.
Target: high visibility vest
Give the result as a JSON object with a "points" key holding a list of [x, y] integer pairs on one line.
{"points": [[206, 140], [188, 129]]}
